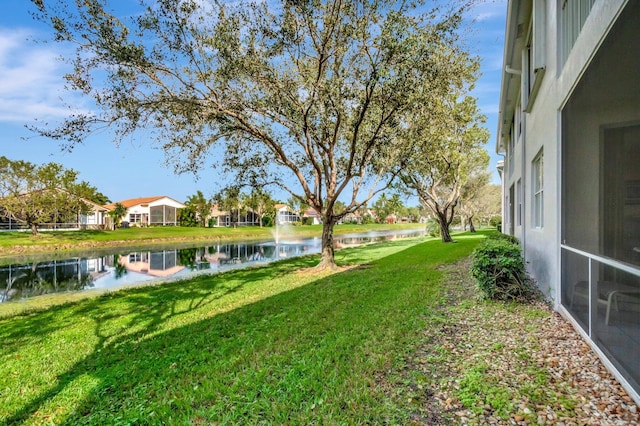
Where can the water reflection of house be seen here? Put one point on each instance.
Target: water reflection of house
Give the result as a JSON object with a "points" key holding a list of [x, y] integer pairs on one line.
{"points": [[157, 264], [37, 278], [224, 254]]}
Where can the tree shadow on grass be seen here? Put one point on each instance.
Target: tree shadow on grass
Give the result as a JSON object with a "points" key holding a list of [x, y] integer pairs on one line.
{"points": [[122, 320], [177, 355], [141, 303]]}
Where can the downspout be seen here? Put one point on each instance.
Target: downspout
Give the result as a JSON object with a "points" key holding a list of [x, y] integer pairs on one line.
{"points": [[502, 194], [513, 71]]}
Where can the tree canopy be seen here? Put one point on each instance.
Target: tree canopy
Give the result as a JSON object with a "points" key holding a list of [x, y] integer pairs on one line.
{"points": [[117, 214], [85, 190], [36, 194], [308, 95], [448, 153], [200, 206], [261, 203], [231, 199], [481, 201]]}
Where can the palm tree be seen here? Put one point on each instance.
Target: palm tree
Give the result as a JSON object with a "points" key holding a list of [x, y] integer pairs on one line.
{"points": [[117, 214]]}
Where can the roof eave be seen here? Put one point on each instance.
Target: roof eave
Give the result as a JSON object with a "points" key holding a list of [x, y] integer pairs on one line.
{"points": [[508, 62]]}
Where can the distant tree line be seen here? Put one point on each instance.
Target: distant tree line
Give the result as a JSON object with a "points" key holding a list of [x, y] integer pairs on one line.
{"points": [[36, 194]]}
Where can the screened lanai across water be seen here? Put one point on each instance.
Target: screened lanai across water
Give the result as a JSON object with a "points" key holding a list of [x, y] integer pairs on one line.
{"points": [[163, 215]]}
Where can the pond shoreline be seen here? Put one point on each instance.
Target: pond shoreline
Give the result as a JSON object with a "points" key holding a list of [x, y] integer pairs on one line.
{"points": [[69, 248], [12, 251], [30, 275]]}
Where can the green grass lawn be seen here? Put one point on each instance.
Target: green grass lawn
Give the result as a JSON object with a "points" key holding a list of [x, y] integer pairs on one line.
{"points": [[282, 344], [19, 242]]}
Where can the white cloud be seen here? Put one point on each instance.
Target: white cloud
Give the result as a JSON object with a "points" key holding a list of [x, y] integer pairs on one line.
{"points": [[485, 16], [489, 109], [31, 82], [487, 10]]}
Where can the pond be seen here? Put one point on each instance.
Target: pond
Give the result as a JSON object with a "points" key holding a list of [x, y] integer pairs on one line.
{"points": [[27, 277]]}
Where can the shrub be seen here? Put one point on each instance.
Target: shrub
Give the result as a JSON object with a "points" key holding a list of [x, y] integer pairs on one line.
{"points": [[433, 228], [498, 268], [495, 220], [267, 221], [366, 219], [504, 237]]}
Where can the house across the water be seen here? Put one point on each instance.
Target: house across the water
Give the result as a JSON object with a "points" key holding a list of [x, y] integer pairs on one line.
{"points": [[150, 211]]}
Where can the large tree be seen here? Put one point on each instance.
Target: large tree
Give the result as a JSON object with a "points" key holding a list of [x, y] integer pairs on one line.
{"points": [[307, 95], [470, 197], [481, 202], [199, 204], [231, 200], [85, 190], [260, 202], [449, 150], [117, 213], [36, 194], [382, 208]]}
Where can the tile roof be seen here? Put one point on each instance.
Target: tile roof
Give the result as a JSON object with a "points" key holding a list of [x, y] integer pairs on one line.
{"points": [[135, 201]]}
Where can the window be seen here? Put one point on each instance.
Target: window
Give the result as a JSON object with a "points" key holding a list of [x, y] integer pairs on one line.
{"points": [[511, 209], [135, 218], [537, 179], [518, 119], [573, 15], [510, 151], [519, 198], [533, 56], [157, 214]]}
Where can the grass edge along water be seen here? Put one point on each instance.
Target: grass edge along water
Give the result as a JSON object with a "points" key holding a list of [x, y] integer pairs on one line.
{"points": [[278, 344]]}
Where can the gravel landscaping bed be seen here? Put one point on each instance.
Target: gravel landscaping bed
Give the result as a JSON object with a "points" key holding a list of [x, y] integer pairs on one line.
{"points": [[507, 364]]}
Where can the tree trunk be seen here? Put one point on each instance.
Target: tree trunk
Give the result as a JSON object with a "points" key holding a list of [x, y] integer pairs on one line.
{"points": [[444, 228], [471, 227], [34, 228], [328, 260]]}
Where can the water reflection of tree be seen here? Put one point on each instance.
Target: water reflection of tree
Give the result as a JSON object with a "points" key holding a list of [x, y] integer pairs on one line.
{"points": [[187, 257], [194, 258], [269, 252], [119, 269], [36, 279]]}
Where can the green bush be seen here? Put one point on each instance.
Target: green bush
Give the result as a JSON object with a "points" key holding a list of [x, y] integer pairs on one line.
{"points": [[504, 237], [267, 221], [366, 219], [498, 268], [433, 228], [496, 221]]}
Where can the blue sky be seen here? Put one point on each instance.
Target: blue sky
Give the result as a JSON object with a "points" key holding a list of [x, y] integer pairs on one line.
{"points": [[31, 86]]}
